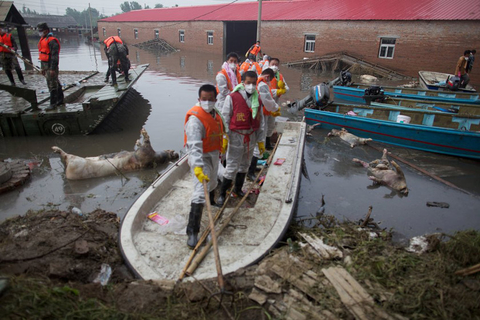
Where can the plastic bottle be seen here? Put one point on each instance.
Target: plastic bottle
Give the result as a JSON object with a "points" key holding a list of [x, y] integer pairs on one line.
{"points": [[104, 275]]}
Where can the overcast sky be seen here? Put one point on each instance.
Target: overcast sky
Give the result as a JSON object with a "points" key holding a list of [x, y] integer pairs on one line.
{"points": [[107, 7]]}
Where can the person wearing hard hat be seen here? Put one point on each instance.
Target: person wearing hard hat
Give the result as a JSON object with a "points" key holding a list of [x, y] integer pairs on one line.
{"points": [[49, 56], [8, 59]]}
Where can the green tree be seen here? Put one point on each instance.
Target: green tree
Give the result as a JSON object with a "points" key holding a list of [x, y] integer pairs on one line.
{"points": [[146, 6], [129, 6], [83, 18], [159, 5]]}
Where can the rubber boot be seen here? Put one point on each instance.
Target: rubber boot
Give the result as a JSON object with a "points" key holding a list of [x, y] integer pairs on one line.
{"points": [[193, 226], [60, 96], [20, 75], [268, 145], [239, 180], [10, 77], [226, 183], [53, 101], [251, 170], [114, 76], [212, 198]]}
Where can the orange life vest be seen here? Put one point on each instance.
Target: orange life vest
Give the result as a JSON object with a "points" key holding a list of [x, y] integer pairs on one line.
{"points": [[229, 83], [255, 50], [247, 66], [262, 79], [44, 48], [213, 127], [7, 40], [274, 82], [111, 40]]}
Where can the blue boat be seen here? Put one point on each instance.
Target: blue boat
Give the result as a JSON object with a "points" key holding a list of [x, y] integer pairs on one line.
{"points": [[356, 93], [433, 131]]}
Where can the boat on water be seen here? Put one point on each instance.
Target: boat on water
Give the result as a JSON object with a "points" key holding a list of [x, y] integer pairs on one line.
{"points": [[427, 130], [452, 107], [159, 252], [432, 80], [360, 93], [86, 106]]}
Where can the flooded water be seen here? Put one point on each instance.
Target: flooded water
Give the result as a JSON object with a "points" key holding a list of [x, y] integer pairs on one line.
{"points": [[159, 102]]}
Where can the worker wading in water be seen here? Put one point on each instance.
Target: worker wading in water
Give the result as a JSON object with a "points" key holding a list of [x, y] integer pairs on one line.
{"points": [[204, 132]]}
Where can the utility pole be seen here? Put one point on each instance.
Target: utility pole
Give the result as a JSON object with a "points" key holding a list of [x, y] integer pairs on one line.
{"points": [[259, 21]]}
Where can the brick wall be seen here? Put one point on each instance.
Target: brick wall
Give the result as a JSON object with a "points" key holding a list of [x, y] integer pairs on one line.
{"points": [[420, 45]]}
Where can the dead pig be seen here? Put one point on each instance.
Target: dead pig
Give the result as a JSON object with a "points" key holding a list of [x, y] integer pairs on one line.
{"points": [[92, 167], [351, 139], [386, 172]]}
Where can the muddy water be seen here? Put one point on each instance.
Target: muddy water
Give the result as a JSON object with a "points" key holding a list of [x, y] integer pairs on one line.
{"points": [[163, 95]]}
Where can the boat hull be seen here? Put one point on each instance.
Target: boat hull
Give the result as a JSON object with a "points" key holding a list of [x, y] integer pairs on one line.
{"points": [[420, 137], [431, 80], [161, 255]]}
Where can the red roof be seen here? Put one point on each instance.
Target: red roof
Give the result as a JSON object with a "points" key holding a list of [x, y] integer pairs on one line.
{"points": [[314, 10]]}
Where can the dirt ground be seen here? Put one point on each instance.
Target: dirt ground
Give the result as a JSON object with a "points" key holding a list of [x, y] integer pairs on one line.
{"points": [[50, 260]]}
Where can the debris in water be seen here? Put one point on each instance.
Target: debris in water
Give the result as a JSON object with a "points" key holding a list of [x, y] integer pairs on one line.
{"points": [[438, 204]]}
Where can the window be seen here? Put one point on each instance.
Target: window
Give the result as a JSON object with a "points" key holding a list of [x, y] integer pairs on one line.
{"points": [[309, 43], [119, 32], [135, 33], [104, 32], [181, 35], [387, 48], [157, 34], [210, 37]]}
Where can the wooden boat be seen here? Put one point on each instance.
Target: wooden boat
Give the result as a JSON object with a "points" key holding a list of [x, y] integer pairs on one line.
{"points": [[356, 93], [428, 130], [432, 80], [159, 252], [86, 106]]}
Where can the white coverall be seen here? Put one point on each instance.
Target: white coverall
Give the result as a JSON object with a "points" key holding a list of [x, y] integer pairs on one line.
{"points": [[222, 84], [239, 153], [271, 105], [195, 132]]}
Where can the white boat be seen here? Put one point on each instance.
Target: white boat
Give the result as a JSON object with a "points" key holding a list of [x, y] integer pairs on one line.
{"points": [[155, 252], [438, 81]]}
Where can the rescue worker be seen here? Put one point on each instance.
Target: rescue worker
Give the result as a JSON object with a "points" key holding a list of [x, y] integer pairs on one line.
{"points": [[461, 69], [242, 113], [270, 110], [203, 140], [265, 62], [249, 65], [8, 59], [48, 54], [116, 51], [227, 79], [254, 51], [278, 87]]}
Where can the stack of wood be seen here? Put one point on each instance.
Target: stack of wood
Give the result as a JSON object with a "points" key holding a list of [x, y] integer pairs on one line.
{"points": [[156, 45]]}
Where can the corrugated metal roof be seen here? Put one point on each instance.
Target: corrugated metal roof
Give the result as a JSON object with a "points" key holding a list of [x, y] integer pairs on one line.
{"points": [[314, 10], [53, 21]]}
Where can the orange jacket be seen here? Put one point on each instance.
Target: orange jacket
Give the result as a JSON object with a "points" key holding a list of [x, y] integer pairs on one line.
{"points": [[229, 83], [111, 40], [256, 49], [44, 48], [246, 66], [213, 127], [7, 40]]}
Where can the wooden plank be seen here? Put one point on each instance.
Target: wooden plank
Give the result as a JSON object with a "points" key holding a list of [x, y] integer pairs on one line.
{"points": [[324, 251]]}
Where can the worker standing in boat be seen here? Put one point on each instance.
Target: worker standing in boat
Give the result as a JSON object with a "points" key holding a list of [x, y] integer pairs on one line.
{"points": [[8, 58], [203, 140], [278, 87], [227, 78], [116, 51], [461, 69], [270, 110], [242, 113], [249, 65], [49, 56], [254, 51], [471, 60]]}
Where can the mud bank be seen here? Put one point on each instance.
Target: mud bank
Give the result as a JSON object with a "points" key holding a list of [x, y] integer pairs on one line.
{"points": [[331, 271]]}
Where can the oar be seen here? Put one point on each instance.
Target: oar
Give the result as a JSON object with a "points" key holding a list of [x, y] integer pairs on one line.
{"points": [[203, 253], [24, 59], [221, 280]]}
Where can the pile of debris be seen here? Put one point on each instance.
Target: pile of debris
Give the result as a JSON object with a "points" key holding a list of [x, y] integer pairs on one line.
{"points": [[157, 45]]}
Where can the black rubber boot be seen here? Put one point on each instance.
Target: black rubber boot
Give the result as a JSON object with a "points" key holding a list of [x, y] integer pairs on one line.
{"points": [[226, 183], [10, 77], [239, 180], [53, 101], [268, 145], [251, 170], [60, 96], [212, 198], [20, 75], [193, 226]]}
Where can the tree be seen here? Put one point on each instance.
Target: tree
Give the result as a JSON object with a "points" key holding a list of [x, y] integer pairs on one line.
{"points": [[129, 6], [159, 5], [83, 18], [146, 6]]}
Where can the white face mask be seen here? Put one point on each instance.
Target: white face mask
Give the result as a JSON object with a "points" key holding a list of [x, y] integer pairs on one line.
{"points": [[207, 105], [232, 66], [249, 88], [40, 33], [274, 68]]}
